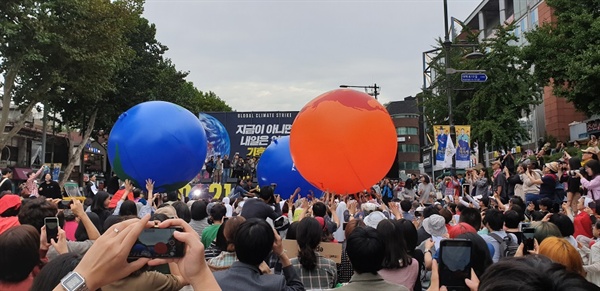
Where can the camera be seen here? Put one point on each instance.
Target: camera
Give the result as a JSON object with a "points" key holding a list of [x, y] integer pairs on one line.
{"points": [[573, 173]]}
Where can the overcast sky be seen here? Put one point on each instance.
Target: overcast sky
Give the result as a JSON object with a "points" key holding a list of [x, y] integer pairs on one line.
{"points": [[280, 54]]}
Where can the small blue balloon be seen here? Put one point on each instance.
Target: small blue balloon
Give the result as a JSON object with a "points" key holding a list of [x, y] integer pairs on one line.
{"points": [[276, 166], [160, 141]]}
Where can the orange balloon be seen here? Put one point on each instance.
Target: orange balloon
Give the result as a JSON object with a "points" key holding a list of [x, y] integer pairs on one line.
{"points": [[343, 141]]}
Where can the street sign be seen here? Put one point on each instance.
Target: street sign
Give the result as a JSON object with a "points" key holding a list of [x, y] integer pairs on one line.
{"points": [[471, 77]]}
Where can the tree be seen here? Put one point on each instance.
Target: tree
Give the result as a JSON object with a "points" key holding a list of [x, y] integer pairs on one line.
{"points": [[25, 58], [566, 53], [492, 108]]}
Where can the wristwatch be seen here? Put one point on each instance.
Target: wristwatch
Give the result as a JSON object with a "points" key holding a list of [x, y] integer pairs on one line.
{"points": [[73, 282]]}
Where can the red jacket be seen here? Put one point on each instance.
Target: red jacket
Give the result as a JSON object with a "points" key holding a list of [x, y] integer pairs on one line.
{"points": [[115, 199], [583, 225]]}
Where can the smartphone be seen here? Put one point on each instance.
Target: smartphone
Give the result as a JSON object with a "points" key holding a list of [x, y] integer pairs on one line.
{"points": [[344, 225], [528, 238], [525, 225], [51, 224], [455, 263], [158, 243]]}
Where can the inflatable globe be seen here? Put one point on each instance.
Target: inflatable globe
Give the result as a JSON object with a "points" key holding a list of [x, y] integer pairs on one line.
{"points": [[276, 166], [216, 135], [343, 141], [160, 141]]}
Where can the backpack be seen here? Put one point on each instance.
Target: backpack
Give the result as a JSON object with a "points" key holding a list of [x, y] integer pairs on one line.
{"points": [[508, 247]]}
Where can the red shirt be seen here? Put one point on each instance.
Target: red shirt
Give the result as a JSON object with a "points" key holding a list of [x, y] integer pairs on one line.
{"points": [[115, 199], [583, 225]]}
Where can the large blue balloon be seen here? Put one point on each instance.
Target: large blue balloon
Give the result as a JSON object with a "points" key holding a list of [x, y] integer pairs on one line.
{"points": [[160, 141], [276, 166]]}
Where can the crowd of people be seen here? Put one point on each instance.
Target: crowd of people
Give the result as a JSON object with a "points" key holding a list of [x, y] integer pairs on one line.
{"points": [[390, 234]]}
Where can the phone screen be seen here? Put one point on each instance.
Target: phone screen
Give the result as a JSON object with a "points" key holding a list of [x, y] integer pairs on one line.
{"points": [[51, 228], [528, 238], [455, 263], [157, 243]]}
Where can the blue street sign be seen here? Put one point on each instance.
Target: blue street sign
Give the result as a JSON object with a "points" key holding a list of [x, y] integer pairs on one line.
{"points": [[473, 77]]}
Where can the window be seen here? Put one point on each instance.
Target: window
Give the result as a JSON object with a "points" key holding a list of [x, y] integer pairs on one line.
{"points": [[405, 115], [533, 18], [408, 165], [408, 148], [407, 130]]}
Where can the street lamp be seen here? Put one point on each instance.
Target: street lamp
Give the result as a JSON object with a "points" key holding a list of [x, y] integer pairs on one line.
{"points": [[375, 89]]}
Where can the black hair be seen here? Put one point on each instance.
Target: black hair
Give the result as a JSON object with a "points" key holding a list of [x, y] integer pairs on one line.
{"points": [[517, 200], [537, 216], [291, 231], [308, 236], [220, 239], [218, 211], [408, 233], [594, 165], [486, 201], [198, 210], [481, 258], [319, 209], [533, 272], [137, 193], [447, 215], [128, 207], [159, 216], [429, 211], [564, 223], [494, 219], [511, 219], [173, 196], [472, 217], [81, 233], [19, 253], [49, 277], [546, 202], [266, 194], [519, 210], [461, 207], [396, 255], [257, 242], [406, 205], [33, 212], [366, 250], [426, 179], [98, 201], [183, 211]]}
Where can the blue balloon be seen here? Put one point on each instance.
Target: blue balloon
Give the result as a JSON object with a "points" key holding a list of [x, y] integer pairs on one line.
{"points": [[276, 166], [216, 134], [160, 141]]}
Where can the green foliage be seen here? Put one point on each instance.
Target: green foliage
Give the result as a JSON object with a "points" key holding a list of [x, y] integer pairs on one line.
{"points": [[566, 53], [492, 108]]}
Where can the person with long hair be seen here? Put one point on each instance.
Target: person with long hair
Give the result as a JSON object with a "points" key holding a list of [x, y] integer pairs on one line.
{"points": [[398, 267], [316, 272], [99, 206], [227, 256], [426, 190], [592, 182]]}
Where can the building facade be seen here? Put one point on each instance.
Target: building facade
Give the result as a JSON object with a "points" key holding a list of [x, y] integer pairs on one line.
{"points": [[407, 120], [553, 116]]}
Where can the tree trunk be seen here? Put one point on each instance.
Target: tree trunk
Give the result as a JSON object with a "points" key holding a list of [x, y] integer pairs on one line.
{"points": [[19, 124], [77, 154]]}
